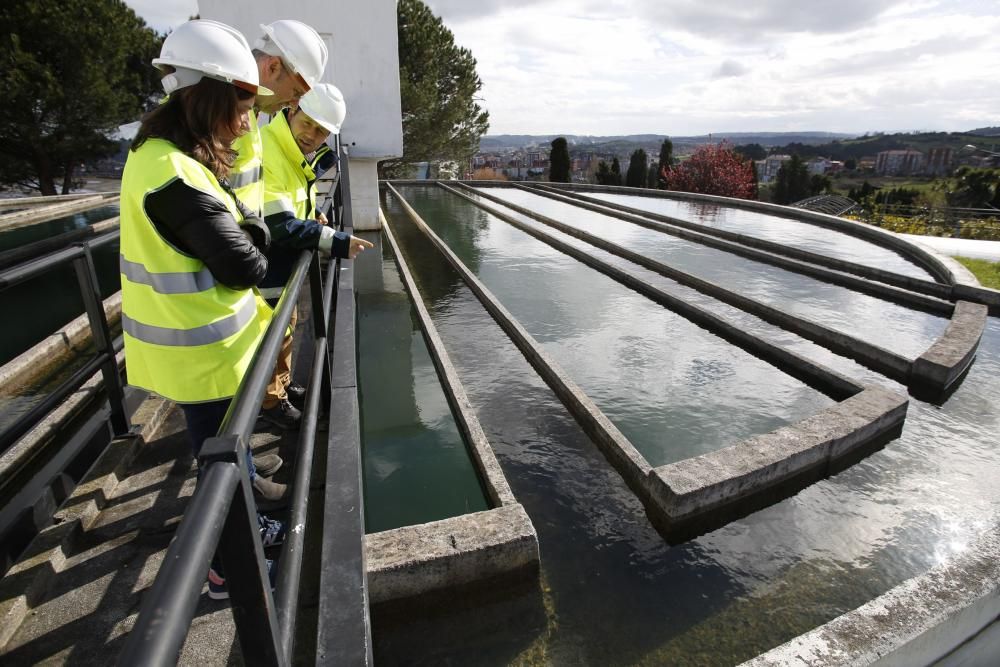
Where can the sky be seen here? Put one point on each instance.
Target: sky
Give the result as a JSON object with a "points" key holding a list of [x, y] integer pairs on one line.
{"points": [[690, 67]]}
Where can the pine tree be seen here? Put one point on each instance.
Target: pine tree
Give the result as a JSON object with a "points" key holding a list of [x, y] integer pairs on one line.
{"points": [[792, 182], [71, 72], [438, 85], [559, 161], [616, 172], [635, 177], [666, 160]]}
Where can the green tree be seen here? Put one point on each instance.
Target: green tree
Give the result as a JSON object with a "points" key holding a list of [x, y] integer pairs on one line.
{"points": [[442, 119], [792, 181], [752, 151], [635, 176], [71, 72], [616, 172], [652, 176], [603, 174], [559, 161], [666, 159]]}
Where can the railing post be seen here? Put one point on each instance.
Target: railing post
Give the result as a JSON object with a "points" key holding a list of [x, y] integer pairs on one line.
{"points": [[242, 556], [87, 278]]}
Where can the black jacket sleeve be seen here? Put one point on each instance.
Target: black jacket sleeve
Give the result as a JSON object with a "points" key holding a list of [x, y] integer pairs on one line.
{"points": [[199, 225]]}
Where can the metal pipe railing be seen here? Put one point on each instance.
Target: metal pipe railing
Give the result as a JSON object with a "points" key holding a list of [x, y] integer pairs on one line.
{"points": [[81, 257], [265, 624]]}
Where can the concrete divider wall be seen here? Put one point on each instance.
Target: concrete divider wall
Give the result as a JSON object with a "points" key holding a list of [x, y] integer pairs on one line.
{"points": [[413, 560], [865, 278], [39, 214], [870, 414], [934, 372]]}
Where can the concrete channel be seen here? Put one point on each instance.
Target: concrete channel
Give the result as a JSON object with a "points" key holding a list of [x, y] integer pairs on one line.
{"points": [[932, 374], [414, 560], [695, 492]]}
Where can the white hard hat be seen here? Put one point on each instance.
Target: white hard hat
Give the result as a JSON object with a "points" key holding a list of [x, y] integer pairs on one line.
{"points": [[324, 103], [299, 46], [201, 48]]}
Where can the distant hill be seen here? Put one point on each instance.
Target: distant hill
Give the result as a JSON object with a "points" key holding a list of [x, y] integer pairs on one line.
{"points": [[986, 131], [501, 141]]}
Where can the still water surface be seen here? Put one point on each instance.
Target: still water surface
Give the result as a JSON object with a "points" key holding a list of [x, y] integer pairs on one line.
{"points": [[415, 464], [613, 592], [891, 326]]}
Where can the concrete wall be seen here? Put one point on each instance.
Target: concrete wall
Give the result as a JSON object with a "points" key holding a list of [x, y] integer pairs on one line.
{"points": [[364, 64]]}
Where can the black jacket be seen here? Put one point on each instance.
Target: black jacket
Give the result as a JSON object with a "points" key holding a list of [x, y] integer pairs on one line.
{"points": [[199, 225]]}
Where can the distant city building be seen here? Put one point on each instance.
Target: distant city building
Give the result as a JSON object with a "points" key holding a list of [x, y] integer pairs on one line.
{"points": [[819, 165], [939, 161], [767, 169], [899, 163]]}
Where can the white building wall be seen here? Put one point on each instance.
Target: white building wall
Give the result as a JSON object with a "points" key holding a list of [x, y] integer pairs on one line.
{"points": [[364, 64]]}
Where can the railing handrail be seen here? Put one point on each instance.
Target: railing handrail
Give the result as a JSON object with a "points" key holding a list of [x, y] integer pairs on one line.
{"points": [[104, 358], [265, 624]]}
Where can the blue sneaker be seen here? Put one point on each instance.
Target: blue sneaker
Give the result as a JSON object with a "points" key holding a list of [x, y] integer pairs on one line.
{"points": [[217, 582], [272, 531]]}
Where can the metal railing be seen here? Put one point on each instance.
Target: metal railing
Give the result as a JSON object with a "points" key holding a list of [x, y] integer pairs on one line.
{"points": [[221, 515], [81, 257]]}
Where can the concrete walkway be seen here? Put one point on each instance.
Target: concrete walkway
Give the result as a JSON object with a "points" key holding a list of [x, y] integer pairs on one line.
{"points": [[989, 250]]}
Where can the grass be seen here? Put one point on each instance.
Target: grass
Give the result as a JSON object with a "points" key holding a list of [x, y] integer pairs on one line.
{"points": [[987, 272]]}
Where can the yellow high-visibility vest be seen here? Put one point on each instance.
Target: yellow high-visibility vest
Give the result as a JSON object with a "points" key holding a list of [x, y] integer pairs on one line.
{"points": [[246, 175], [289, 179], [187, 337]]}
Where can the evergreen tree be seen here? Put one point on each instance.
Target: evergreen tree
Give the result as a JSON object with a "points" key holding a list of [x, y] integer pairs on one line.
{"points": [[792, 181], [603, 174], [635, 177], [559, 161], [666, 158], [752, 151], [438, 86], [616, 172], [71, 72], [652, 176]]}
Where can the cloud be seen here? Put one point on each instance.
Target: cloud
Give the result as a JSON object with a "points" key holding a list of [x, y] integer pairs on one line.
{"points": [[164, 15], [730, 68]]}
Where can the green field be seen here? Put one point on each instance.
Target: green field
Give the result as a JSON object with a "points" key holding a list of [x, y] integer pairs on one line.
{"points": [[987, 272]]}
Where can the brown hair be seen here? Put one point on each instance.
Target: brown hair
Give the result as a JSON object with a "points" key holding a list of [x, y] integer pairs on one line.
{"points": [[190, 119]]}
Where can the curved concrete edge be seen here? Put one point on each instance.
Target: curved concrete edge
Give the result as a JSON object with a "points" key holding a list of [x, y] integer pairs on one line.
{"points": [[929, 261], [884, 361], [699, 485], [29, 579], [35, 364], [945, 361], [967, 286], [916, 623], [414, 560], [904, 289], [7, 203], [695, 487], [482, 453]]}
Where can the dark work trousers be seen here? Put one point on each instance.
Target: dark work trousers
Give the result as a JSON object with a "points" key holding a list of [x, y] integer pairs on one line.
{"points": [[203, 421]]}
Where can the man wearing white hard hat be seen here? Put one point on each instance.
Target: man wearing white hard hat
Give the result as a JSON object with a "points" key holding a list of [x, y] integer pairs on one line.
{"points": [[291, 58], [296, 154]]}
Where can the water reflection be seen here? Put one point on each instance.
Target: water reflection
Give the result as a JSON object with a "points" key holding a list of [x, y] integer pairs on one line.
{"points": [[15, 238], [891, 326], [619, 595], [416, 466], [787, 231]]}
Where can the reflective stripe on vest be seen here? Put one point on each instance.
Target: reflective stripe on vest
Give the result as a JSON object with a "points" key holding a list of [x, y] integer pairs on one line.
{"points": [[204, 335], [245, 178], [288, 179], [176, 282], [187, 337], [246, 175]]}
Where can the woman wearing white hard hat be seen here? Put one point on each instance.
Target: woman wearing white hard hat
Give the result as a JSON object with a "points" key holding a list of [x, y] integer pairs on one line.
{"points": [[296, 154], [190, 252]]}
